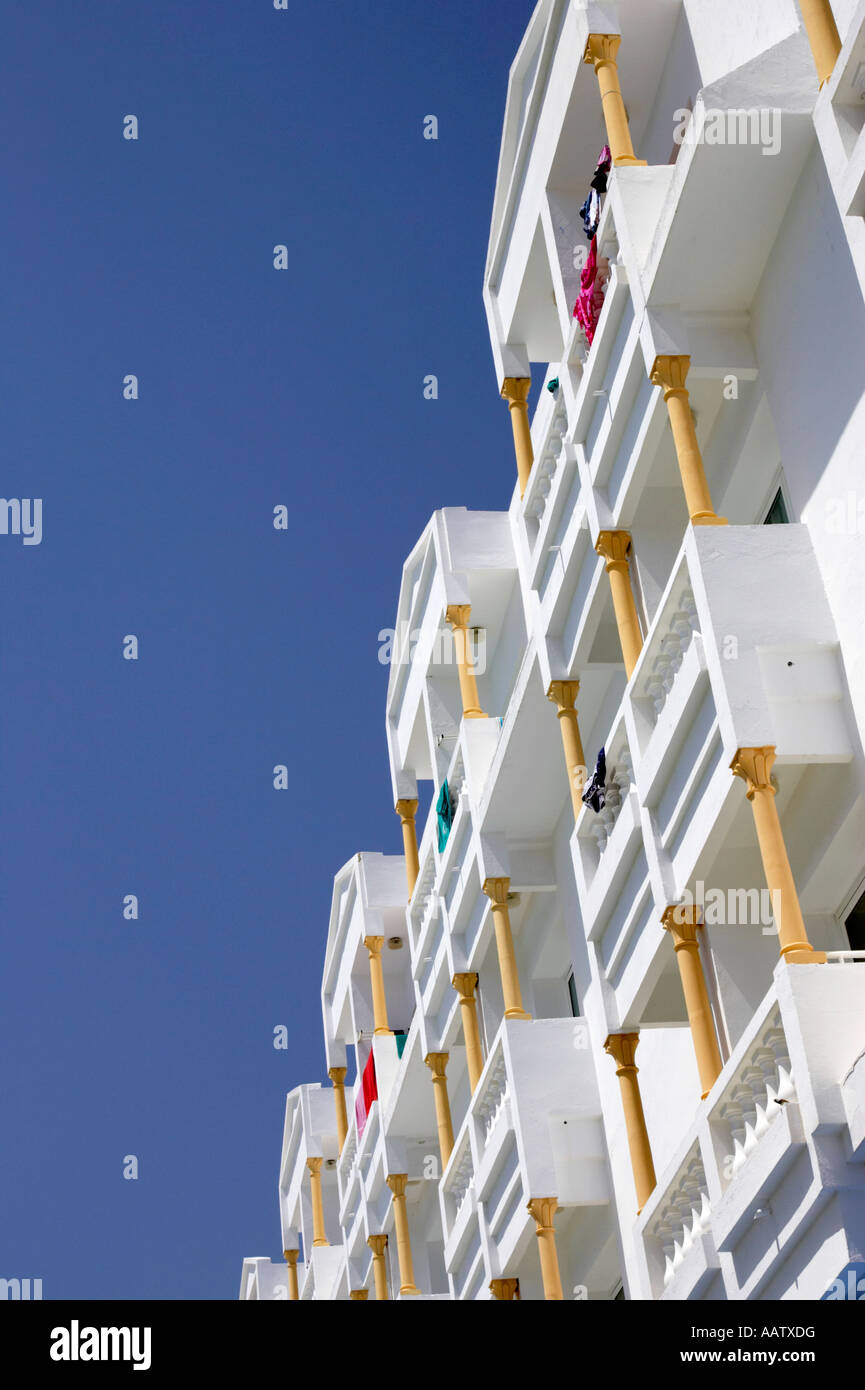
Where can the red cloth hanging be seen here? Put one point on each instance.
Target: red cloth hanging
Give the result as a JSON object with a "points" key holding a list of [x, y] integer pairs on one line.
{"points": [[367, 1092], [590, 300]]}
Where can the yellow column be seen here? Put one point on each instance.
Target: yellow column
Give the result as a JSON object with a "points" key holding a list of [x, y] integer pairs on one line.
{"points": [[378, 1245], [337, 1076], [622, 1047], [670, 373], [359, 1295], [754, 765], [291, 1258], [373, 945], [437, 1063], [515, 390], [601, 51], [396, 1182], [614, 547], [564, 695], [496, 890], [543, 1209], [505, 1290], [465, 987], [319, 1236], [457, 616], [822, 34], [407, 810], [682, 923]]}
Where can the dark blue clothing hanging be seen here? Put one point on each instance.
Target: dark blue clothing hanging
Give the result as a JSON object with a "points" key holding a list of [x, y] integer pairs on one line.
{"points": [[595, 795]]}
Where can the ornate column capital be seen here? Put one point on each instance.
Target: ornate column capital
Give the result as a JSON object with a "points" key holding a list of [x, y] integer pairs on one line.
{"points": [[358, 1295], [406, 810], [457, 616], [614, 547], [465, 985], [683, 923], [437, 1063], [373, 945], [564, 695], [505, 1290], [497, 889], [377, 1244], [622, 1047], [337, 1076], [670, 373], [515, 390], [754, 766], [543, 1209], [314, 1166], [291, 1258], [602, 48], [396, 1182]]}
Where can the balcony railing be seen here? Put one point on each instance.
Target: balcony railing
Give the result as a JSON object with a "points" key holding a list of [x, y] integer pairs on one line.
{"points": [[752, 1100], [683, 1217]]}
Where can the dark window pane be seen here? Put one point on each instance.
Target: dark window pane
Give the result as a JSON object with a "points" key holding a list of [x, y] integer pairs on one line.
{"points": [[572, 991], [855, 925], [777, 513]]}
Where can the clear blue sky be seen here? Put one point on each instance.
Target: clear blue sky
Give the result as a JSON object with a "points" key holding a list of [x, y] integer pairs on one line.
{"points": [[257, 647]]}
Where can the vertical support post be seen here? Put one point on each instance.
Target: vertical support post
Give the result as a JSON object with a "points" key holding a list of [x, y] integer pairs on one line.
{"points": [[465, 986], [373, 946], [622, 1047], [683, 924], [754, 766], [543, 1209]]}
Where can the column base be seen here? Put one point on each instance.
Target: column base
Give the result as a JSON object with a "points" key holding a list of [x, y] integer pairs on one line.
{"points": [[409, 1291], [383, 1033], [518, 1013], [708, 519], [628, 161], [798, 954], [474, 714]]}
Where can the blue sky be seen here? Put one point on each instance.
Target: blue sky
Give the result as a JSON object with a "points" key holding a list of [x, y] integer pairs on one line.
{"points": [[257, 647]]}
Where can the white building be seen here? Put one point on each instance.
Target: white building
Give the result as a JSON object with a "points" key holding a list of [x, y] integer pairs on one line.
{"points": [[502, 1141]]}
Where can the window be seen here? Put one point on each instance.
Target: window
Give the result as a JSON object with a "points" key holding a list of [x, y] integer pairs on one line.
{"points": [[777, 514], [572, 995], [855, 924]]}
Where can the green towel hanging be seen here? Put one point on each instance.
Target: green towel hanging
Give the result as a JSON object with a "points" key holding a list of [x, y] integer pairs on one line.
{"points": [[444, 814]]}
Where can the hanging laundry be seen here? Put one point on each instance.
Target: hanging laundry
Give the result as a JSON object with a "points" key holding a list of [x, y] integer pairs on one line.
{"points": [[602, 169], [445, 812], [595, 795], [590, 212], [590, 300], [367, 1092]]}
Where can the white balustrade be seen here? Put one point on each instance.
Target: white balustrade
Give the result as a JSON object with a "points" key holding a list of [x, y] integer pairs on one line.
{"points": [[671, 650], [684, 1216], [762, 1085]]}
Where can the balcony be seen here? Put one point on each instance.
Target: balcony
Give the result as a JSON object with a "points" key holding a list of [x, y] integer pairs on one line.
{"points": [[729, 662], [756, 1202], [533, 1128]]}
